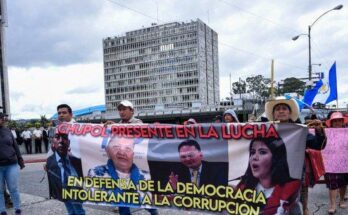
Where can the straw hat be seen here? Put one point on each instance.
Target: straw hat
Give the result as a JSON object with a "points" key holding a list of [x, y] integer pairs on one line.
{"points": [[294, 109], [336, 115]]}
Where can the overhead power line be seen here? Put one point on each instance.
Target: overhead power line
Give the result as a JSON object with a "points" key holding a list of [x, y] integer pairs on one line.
{"points": [[258, 16], [134, 10], [222, 43], [260, 56]]}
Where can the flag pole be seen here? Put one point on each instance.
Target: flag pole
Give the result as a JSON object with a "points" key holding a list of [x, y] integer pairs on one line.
{"points": [[272, 80]]}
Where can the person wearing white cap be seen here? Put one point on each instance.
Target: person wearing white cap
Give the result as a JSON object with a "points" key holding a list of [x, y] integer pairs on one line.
{"points": [[126, 111], [190, 121], [287, 111]]}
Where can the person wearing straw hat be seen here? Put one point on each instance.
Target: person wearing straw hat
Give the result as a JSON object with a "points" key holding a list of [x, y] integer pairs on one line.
{"points": [[287, 110], [336, 181], [282, 109]]}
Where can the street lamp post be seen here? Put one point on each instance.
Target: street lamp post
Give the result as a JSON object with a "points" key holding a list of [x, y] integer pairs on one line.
{"points": [[309, 54], [338, 7]]}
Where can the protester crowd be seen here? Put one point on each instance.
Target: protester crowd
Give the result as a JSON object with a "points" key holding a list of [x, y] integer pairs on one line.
{"points": [[279, 110]]}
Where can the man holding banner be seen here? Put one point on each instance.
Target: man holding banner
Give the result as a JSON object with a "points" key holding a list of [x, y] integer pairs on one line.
{"points": [[60, 165], [287, 111], [126, 111]]}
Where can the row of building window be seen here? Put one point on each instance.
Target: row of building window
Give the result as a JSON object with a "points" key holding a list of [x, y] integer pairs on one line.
{"points": [[153, 79], [142, 94], [140, 107], [167, 101], [110, 73], [176, 57], [137, 82], [153, 40], [185, 82], [145, 34], [146, 44], [136, 59], [153, 86], [146, 71], [134, 53]]}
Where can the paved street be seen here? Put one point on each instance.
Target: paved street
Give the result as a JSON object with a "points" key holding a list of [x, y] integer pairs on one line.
{"points": [[34, 193]]}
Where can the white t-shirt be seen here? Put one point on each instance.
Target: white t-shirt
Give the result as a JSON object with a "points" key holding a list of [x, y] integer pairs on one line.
{"points": [[26, 134], [37, 133]]}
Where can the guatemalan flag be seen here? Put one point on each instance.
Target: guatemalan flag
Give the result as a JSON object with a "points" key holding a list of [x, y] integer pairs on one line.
{"points": [[325, 90]]}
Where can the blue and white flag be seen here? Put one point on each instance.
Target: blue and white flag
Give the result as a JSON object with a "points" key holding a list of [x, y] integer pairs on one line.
{"points": [[325, 90], [301, 104]]}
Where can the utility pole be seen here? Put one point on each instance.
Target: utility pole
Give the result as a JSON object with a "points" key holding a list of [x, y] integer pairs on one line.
{"points": [[272, 79]]}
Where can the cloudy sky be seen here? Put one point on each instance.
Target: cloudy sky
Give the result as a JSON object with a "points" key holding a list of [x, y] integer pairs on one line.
{"points": [[54, 48]]}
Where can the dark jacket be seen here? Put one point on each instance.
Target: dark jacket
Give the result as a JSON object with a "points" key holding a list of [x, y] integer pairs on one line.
{"points": [[54, 174], [9, 151], [45, 134], [317, 141], [212, 173]]}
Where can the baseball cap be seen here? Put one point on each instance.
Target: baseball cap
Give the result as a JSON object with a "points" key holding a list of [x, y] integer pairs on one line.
{"points": [[191, 121], [126, 103]]}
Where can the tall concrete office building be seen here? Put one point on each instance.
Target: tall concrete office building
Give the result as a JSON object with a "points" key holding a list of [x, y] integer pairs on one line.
{"points": [[171, 66], [5, 102]]}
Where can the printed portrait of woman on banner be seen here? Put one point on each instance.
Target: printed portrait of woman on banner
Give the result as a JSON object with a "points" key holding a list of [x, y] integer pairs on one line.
{"points": [[268, 172]]}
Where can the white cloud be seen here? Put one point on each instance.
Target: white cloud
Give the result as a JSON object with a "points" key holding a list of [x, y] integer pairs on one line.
{"points": [[56, 47], [43, 88]]}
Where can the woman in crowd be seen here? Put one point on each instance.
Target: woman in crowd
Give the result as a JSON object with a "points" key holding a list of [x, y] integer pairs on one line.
{"points": [[10, 157], [230, 116], [336, 181], [268, 172], [287, 111]]}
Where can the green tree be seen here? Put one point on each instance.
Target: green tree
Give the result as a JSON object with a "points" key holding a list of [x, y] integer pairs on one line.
{"points": [[258, 86], [43, 120], [13, 124], [239, 87], [29, 125], [37, 124], [293, 85]]}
